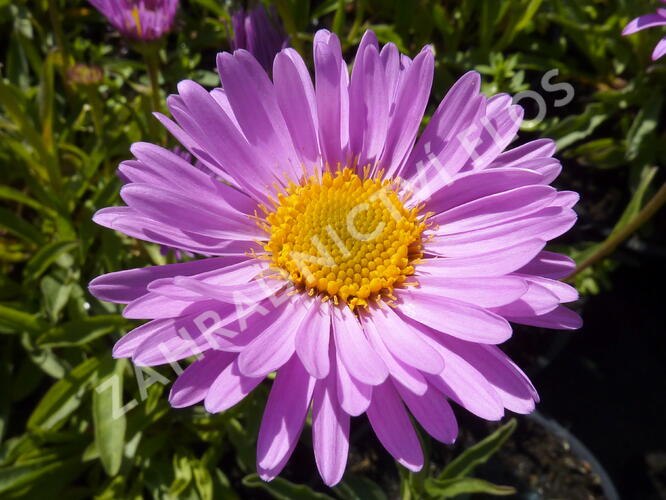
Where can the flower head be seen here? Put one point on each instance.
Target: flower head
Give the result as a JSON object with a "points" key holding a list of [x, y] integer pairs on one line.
{"points": [[650, 21], [260, 34], [374, 271], [144, 20], [84, 75]]}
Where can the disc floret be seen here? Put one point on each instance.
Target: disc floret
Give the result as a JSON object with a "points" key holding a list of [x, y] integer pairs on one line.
{"points": [[346, 237]]}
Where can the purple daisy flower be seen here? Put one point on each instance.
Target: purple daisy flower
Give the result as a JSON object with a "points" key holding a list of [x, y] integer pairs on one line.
{"points": [[373, 271], [260, 34], [165, 250], [649, 21], [139, 19]]}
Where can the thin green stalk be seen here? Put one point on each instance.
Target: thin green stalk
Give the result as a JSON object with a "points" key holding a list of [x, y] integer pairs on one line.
{"points": [[153, 66], [608, 246], [152, 61], [54, 16], [287, 16], [61, 43], [96, 109], [358, 21], [57, 30]]}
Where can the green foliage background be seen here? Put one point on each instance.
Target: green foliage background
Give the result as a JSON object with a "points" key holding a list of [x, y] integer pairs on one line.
{"points": [[60, 143]]}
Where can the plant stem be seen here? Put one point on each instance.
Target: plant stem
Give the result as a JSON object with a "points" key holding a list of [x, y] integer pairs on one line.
{"points": [[152, 60], [96, 108], [608, 246], [59, 38]]}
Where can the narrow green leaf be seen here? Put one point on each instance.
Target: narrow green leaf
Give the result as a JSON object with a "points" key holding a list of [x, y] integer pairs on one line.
{"points": [[239, 437], [576, 128], [644, 124], [82, 331], [114, 489], [519, 22], [52, 475], [62, 398], [6, 369], [478, 454], [20, 228], [22, 475], [223, 486], [182, 469], [355, 487], [213, 6], [339, 18], [203, 481], [21, 320], [55, 294], [449, 488], [324, 8], [110, 423], [46, 98], [385, 34], [599, 153], [48, 362], [9, 193], [46, 256], [281, 489], [636, 203], [12, 100]]}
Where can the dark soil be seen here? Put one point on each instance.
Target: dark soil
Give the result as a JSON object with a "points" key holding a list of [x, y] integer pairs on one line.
{"points": [[608, 384], [543, 465]]}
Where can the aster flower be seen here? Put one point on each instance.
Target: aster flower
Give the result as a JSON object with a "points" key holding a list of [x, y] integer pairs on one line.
{"points": [[165, 250], [260, 34], [84, 75], [374, 272], [649, 21], [144, 20]]}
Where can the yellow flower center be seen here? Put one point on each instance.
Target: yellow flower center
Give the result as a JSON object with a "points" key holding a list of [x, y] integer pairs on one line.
{"points": [[345, 237]]}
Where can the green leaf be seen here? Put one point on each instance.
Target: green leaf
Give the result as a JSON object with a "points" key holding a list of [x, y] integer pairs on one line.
{"points": [[48, 362], [41, 478], [14, 101], [182, 468], [644, 124], [239, 437], [110, 423], [9, 193], [46, 98], [325, 8], [600, 153], [385, 34], [21, 320], [56, 295], [63, 398], [339, 18], [46, 256], [478, 454], [25, 474], [203, 481], [213, 6], [281, 489], [449, 488], [576, 128], [20, 228], [114, 489], [79, 332], [6, 368], [636, 203], [355, 487], [223, 486]]}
